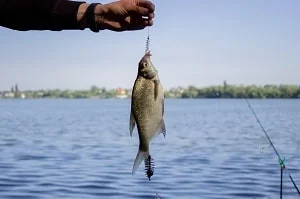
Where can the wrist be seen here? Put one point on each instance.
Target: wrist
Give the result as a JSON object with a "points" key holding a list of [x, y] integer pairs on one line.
{"points": [[92, 16], [81, 16]]}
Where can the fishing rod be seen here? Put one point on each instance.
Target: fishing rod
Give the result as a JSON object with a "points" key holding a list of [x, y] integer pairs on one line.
{"points": [[281, 162]]}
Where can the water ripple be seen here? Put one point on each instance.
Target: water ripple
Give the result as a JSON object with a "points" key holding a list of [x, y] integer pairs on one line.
{"points": [[82, 149]]}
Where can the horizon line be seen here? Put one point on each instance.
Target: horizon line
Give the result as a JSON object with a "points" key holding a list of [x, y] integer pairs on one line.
{"points": [[171, 87]]}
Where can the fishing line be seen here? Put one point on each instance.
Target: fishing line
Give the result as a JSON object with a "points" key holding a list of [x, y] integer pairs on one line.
{"points": [[148, 42], [281, 176], [294, 184], [281, 162], [263, 129]]}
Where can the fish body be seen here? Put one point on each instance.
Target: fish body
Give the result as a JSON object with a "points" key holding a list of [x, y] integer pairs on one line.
{"points": [[147, 109]]}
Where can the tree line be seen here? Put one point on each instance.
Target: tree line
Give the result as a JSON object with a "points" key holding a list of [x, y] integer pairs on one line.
{"points": [[240, 91], [218, 91]]}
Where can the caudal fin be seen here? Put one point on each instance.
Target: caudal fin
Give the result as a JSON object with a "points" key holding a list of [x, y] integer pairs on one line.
{"points": [[141, 155]]}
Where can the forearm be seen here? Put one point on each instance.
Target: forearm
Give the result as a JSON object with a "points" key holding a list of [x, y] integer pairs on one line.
{"points": [[41, 14]]}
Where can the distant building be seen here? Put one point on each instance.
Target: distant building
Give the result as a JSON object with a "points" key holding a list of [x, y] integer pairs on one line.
{"points": [[121, 93], [8, 95]]}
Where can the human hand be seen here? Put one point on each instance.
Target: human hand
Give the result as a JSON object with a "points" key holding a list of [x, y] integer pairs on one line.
{"points": [[123, 15]]}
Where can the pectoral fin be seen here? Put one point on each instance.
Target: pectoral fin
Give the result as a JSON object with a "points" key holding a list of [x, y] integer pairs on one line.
{"points": [[131, 123], [161, 128]]}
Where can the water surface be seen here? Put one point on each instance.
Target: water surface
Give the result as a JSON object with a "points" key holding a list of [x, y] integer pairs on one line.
{"points": [[82, 149]]}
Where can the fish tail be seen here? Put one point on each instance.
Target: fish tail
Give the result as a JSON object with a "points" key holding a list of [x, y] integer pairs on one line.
{"points": [[141, 155]]}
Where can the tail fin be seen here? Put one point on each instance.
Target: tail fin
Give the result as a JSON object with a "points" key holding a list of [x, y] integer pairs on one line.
{"points": [[141, 155]]}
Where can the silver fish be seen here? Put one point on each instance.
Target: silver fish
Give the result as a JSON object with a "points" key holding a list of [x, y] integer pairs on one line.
{"points": [[147, 109]]}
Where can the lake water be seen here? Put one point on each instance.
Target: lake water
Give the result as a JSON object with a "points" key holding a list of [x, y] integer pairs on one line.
{"points": [[82, 149]]}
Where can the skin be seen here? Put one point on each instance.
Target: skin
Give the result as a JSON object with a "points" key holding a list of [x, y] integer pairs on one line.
{"points": [[123, 15]]}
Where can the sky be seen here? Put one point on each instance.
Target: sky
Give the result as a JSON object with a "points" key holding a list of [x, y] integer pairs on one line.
{"points": [[193, 42]]}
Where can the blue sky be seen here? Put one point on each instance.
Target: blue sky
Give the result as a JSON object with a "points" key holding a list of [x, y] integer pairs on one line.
{"points": [[193, 42]]}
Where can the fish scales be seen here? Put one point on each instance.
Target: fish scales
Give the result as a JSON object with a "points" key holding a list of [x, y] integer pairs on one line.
{"points": [[147, 108]]}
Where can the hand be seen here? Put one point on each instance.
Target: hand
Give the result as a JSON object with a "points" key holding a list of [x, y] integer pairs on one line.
{"points": [[125, 15], [119, 16]]}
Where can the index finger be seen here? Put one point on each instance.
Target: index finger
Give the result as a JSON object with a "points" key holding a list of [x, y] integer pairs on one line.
{"points": [[146, 4]]}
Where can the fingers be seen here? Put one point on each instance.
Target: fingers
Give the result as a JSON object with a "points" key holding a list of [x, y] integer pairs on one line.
{"points": [[141, 3], [138, 23], [144, 22], [134, 23], [128, 24], [141, 7], [151, 16], [126, 15], [146, 4]]}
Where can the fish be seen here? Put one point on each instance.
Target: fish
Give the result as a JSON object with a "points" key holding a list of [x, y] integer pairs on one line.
{"points": [[147, 111]]}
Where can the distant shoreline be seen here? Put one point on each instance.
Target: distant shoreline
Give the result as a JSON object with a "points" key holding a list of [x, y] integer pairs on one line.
{"points": [[166, 98], [224, 91]]}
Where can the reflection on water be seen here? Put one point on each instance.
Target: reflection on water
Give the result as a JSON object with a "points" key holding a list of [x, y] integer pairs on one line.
{"points": [[82, 149]]}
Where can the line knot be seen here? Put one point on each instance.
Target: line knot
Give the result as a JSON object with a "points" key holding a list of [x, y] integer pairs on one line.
{"points": [[281, 162]]}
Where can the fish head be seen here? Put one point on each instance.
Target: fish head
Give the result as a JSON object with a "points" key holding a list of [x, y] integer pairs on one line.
{"points": [[146, 67]]}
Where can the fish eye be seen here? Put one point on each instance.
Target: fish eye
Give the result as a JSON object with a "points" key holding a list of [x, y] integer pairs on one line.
{"points": [[145, 64]]}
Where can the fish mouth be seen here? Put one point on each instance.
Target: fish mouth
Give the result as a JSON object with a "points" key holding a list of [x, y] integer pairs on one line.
{"points": [[148, 54], [146, 57]]}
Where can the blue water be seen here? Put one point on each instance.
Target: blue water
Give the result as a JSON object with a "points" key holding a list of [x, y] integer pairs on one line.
{"points": [[82, 149]]}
